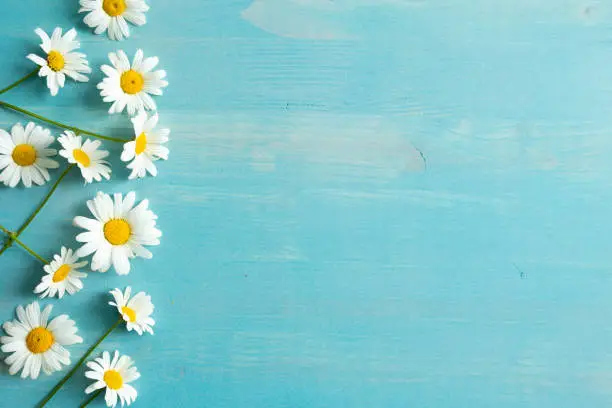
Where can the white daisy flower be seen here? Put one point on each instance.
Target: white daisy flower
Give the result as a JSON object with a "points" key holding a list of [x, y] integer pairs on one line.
{"points": [[131, 85], [34, 344], [147, 146], [135, 311], [24, 155], [86, 155], [112, 16], [60, 60], [62, 275], [118, 233], [115, 376]]}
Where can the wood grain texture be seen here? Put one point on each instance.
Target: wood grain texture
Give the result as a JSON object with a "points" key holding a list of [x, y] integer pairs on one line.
{"points": [[310, 258]]}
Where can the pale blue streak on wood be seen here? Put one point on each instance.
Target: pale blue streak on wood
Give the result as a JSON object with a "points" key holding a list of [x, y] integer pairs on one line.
{"points": [[308, 259]]}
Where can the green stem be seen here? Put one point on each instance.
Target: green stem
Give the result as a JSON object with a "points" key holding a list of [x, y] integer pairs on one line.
{"points": [[44, 201], [6, 231], [7, 245], [14, 84], [78, 364], [13, 237], [59, 124], [91, 398], [34, 254], [9, 241]]}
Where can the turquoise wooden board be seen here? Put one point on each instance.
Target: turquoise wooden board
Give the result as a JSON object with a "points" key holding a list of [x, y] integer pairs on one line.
{"points": [[310, 257]]}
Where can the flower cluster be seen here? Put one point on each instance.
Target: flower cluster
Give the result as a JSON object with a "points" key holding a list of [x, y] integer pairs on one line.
{"points": [[118, 229], [26, 154], [36, 343]]}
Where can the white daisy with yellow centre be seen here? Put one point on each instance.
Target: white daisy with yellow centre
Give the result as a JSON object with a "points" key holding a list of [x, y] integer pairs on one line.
{"points": [[87, 155], [119, 231], [114, 376], [25, 155], [131, 85], [147, 146], [37, 344], [60, 60], [135, 311], [62, 275], [112, 16]]}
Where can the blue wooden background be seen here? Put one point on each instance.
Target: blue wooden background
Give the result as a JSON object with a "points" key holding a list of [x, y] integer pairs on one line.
{"points": [[310, 258]]}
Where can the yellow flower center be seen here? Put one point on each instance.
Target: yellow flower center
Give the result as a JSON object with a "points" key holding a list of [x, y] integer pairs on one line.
{"points": [[117, 231], [55, 61], [24, 155], [129, 312], [61, 273], [132, 82], [141, 143], [81, 157], [113, 8], [39, 340], [113, 379]]}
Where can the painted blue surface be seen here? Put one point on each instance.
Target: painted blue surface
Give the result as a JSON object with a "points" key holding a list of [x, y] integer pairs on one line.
{"points": [[309, 258]]}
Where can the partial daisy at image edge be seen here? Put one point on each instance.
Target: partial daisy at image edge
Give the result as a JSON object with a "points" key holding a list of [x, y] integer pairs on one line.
{"points": [[25, 155], [112, 16]]}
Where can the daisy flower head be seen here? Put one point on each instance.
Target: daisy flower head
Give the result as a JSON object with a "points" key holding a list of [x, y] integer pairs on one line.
{"points": [[62, 275], [119, 231], [112, 16], [86, 155], [132, 84], [146, 147], [37, 344], [60, 60], [135, 311], [24, 155], [114, 376]]}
